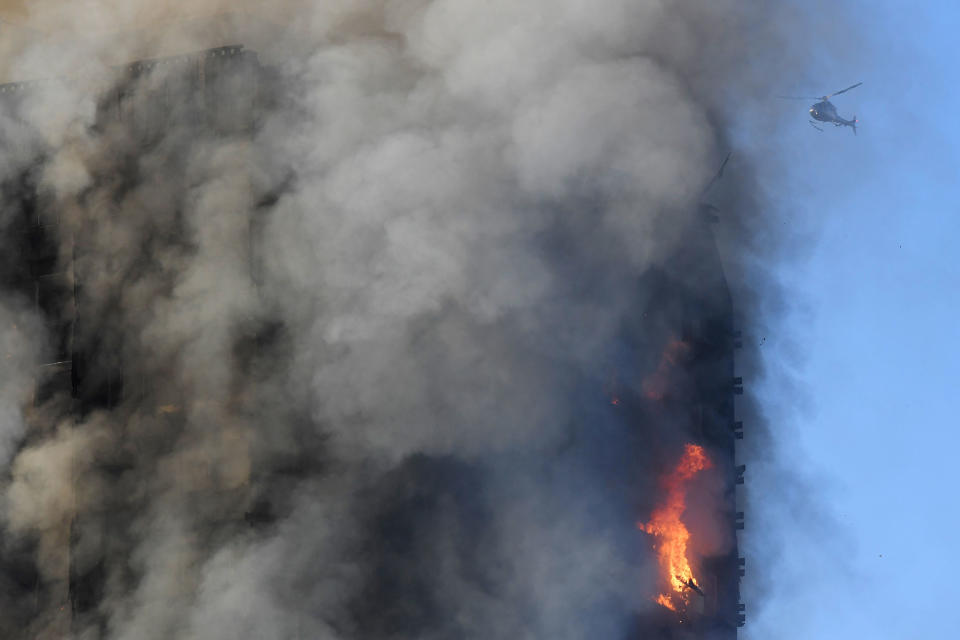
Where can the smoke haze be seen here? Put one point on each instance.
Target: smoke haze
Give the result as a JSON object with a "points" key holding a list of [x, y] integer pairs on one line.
{"points": [[366, 344]]}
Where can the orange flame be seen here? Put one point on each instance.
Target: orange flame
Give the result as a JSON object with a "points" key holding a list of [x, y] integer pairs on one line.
{"points": [[662, 599], [671, 533]]}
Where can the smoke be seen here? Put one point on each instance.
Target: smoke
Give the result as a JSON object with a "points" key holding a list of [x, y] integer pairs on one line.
{"points": [[343, 349]]}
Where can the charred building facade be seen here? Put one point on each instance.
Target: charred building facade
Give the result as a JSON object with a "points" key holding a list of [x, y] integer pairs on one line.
{"points": [[99, 282], [697, 389]]}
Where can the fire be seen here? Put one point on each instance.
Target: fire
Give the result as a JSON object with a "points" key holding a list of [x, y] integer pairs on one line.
{"points": [[672, 535], [665, 601]]}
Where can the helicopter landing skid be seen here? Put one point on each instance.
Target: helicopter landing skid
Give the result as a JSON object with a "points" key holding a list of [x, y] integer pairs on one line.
{"points": [[815, 126]]}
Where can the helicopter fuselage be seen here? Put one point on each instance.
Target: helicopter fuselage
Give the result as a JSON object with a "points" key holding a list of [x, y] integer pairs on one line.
{"points": [[825, 111]]}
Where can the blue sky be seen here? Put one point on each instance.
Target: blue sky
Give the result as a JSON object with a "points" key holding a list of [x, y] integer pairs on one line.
{"points": [[873, 336]]}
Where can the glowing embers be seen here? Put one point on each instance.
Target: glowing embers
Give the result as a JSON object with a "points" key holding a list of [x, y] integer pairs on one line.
{"points": [[670, 532]]}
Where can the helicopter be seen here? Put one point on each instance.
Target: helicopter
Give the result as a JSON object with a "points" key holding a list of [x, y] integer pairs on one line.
{"points": [[825, 111]]}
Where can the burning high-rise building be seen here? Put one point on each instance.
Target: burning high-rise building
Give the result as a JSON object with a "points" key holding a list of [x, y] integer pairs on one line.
{"points": [[368, 342]]}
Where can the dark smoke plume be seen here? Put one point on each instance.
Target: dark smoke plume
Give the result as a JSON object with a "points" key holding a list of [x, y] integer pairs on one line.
{"points": [[343, 358]]}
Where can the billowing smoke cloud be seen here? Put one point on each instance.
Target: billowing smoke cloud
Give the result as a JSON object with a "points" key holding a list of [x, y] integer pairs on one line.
{"points": [[343, 352]]}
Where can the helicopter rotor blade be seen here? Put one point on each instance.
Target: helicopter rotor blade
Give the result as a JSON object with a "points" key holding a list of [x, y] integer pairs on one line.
{"points": [[836, 93], [799, 97]]}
